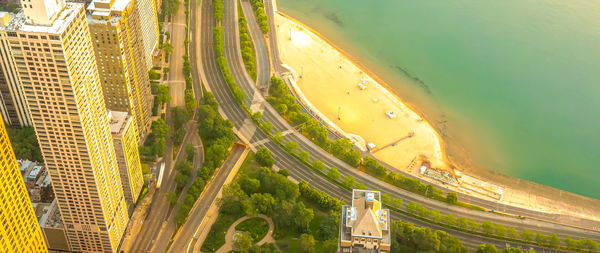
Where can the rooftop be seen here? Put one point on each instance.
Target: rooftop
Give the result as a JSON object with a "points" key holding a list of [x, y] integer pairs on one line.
{"points": [[51, 219], [365, 217], [103, 11], [18, 21], [118, 121]]}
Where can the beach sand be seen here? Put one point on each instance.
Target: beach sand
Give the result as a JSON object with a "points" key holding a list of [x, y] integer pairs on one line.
{"points": [[330, 81]]}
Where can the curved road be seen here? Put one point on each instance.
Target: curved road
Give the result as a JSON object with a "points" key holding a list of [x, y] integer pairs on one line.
{"points": [[247, 130], [233, 53]]}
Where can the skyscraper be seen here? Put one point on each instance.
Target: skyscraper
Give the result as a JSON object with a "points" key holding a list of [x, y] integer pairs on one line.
{"points": [[13, 107], [148, 13], [52, 49], [116, 30], [19, 231], [124, 134]]}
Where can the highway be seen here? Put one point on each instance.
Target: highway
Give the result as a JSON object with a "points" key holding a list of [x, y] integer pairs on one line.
{"points": [[269, 114], [186, 237], [542, 222], [246, 129]]}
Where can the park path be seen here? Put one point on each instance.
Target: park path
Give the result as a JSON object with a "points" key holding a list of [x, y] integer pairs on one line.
{"points": [[229, 237]]}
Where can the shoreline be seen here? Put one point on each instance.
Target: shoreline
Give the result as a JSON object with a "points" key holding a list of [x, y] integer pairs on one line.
{"points": [[519, 187], [379, 81]]}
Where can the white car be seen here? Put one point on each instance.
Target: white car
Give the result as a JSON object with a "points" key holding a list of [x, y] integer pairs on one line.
{"points": [[390, 114]]}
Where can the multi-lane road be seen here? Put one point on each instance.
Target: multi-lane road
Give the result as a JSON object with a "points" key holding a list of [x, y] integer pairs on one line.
{"points": [[211, 75], [207, 68]]}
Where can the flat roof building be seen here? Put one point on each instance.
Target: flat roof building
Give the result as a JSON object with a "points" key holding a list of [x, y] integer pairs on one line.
{"points": [[117, 34], [365, 225], [124, 134], [52, 50]]}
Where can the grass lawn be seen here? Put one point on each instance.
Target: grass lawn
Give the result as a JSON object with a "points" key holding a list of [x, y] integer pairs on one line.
{"points": [[250, 167], [257, 227], [216, 236]]}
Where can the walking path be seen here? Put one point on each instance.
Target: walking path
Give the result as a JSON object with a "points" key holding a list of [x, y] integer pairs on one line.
{"points": [[231, 232]]}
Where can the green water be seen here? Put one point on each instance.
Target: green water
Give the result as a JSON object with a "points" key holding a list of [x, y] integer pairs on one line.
{"points": [[514, 83]]}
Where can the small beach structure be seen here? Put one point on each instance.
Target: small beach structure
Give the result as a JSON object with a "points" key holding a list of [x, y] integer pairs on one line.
{"points": [[362, 86], [371, 146]]}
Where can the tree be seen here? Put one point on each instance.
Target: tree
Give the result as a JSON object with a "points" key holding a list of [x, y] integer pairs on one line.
{"points": [[304, 156], [249, 185], [553, 241], [333, 173], [256, 117], [281, 109], [340, 146], [328, 228], [448, 219], [349, 181], [353, 158], [267, 126], [168, 49], [307, 243], [373, 166], [587, 244], [172, 197], [179, 116], [500, 230], [450, 244], [473, 225], [397, 202], [162, 94], [541, 239], [318, 165], [190, 151], [488, 227], [452, 198], [486, 248], [25, 143], [291, 146], [436, 216], [278, 137], [461, 222], [527, 235], [243, 241], [263, 202], [512, 233], [570, 243], [178, 136], [264, 157]]}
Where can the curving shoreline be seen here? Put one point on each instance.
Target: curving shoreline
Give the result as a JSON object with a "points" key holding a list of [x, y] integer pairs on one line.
{"points": [[518, 194]]}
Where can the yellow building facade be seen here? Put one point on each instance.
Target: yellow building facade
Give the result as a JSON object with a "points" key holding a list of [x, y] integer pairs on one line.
{"points": [[124, 133], [19, 231], [116, 30], [57, 69]]}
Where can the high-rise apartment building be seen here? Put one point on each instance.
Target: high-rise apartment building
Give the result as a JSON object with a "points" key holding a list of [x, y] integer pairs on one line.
{"points": [[148, 13], [54, 57], [124, 134], [116, 30], [13, 107], [19, 230]]}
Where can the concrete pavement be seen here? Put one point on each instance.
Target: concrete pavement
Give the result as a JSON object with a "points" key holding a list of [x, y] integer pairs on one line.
{"points": [[186, 236]]}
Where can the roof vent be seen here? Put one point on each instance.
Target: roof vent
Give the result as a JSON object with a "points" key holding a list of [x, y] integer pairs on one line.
{"points": [[363, 231]]}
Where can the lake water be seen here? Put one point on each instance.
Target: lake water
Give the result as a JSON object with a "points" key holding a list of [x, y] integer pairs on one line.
{"points": [[515, 84]]}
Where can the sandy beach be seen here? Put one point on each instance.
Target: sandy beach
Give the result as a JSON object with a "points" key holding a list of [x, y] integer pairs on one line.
{"points": [[359, 104]]}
